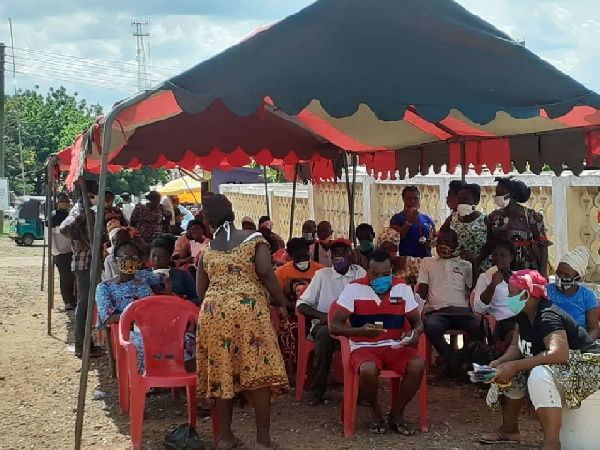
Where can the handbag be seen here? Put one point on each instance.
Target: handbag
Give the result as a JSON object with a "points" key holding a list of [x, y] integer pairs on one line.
{"points": [[483, 350]]}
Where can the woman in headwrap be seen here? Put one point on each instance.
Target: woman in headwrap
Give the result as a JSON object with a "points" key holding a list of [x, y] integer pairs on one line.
{"points": [[406, 267], [551, 356], [566, 292]]}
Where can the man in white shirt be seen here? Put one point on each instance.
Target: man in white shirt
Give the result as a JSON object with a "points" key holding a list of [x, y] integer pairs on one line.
{"points": [[127, 206], [63, 253], [444, 283], [325, 288], [372, 312]]}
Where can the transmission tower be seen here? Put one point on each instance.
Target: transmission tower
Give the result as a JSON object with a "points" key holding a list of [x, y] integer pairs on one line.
{"points": [[140, 31]]}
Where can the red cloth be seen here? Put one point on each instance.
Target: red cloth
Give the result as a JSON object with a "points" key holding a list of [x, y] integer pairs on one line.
{"points": [[386, 358], [531, 281]]}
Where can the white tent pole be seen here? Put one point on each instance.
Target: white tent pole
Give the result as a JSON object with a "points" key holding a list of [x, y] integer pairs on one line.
{"points": [[96, 255]]}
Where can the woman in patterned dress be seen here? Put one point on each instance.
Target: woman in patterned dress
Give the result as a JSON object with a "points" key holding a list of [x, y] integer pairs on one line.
{"points": [[523, 226], [237, 344], [150, 220], [469, 224]]}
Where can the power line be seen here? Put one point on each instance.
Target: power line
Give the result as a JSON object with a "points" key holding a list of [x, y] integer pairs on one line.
{"points": [[74, 75], [67, 80], [87, 59]]}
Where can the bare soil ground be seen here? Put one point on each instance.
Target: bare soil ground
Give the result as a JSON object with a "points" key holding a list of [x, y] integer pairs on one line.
{"points": [[39, 380]]}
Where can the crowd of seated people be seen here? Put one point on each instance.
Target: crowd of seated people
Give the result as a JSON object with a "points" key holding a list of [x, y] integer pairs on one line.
{"points": [[475, 265]]}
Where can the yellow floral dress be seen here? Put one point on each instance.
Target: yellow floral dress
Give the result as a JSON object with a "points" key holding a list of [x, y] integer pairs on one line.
{"points": [[237, 347]]}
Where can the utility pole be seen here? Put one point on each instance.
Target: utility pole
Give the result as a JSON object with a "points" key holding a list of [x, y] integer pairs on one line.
{"points": [[140, 31], [2, 103]]}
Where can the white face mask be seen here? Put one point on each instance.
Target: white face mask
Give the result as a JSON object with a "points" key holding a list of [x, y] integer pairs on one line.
{"points": [[464, 209], [502, 201], [303, 265], [93, 200]]}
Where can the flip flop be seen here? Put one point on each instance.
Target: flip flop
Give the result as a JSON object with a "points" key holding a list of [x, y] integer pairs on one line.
{"points": [[235, 444], [401, 427], [378, 427], [497, 438]]}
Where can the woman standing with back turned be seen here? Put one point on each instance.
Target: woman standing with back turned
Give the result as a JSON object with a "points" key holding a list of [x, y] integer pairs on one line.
{"points": [[237, 345]]}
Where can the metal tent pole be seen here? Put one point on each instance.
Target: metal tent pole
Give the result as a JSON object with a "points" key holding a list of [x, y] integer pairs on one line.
{"points": [[49, 209], [267, 192], [293, 208]]}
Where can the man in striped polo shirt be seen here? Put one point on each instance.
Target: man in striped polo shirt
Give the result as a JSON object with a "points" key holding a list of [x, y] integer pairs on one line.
{"points": [[371, 312]]}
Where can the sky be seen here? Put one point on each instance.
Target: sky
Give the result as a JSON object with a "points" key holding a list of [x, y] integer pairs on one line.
{"points": [[88, 46]]}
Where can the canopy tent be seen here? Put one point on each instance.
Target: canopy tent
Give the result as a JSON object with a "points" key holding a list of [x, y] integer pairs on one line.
{"points": [[367, 77], [188, 189], [453, 77]]}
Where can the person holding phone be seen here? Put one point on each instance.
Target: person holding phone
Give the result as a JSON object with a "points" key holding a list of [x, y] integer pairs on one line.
{"points": [[379, 297], [417, 230]]}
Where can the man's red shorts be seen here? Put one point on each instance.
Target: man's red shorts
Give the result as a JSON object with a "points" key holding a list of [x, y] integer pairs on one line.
{"points": [[386, 357]]}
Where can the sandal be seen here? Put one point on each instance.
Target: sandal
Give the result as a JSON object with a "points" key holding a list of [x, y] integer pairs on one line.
{"points": [[378, 427], [401, 427], [496, 438], [237, 443]]}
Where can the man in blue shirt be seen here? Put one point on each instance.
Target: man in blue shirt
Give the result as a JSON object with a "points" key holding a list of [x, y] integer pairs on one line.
{"points": [[416, 230]]}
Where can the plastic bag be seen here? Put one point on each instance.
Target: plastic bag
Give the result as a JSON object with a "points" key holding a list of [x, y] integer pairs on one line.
{"points": [[184, 437]]}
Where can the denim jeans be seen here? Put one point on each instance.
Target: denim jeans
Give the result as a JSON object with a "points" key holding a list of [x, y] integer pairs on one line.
{"points": [[83, 288]]}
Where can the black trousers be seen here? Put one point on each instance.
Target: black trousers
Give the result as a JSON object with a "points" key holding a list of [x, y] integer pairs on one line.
{"points": [[451, 318], [67, 278], [324, 349]]}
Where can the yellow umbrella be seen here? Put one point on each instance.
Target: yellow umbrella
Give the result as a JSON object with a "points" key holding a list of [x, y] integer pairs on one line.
{"points": [[186, 188]]}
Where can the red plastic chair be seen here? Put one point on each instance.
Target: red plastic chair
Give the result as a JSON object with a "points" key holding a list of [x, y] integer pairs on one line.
{"points": [[305, 348], [122, 370], [162, 321], [351, 384]]}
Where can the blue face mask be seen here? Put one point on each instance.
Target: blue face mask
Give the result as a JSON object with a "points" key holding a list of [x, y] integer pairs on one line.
{"points": [[515, 304], [382, 284], [366, 246]]}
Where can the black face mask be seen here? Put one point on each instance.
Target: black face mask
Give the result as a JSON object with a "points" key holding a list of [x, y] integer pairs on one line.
{"points": [[564, 284]]}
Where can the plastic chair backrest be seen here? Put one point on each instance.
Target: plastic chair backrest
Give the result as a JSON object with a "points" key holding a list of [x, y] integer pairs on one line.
{"points": [[162, 320]]}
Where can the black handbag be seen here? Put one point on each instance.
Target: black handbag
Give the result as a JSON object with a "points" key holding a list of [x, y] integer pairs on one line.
{"points": [[184, 437], [481, 349]]}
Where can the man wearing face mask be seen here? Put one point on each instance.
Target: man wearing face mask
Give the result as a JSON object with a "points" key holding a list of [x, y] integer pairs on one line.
{"points": [[320, 251], [372, 312], [63, 253], [309, 231], [444, 283], [75, 228], [573, 298], [365, 235], [293, 278], [314, 303]]}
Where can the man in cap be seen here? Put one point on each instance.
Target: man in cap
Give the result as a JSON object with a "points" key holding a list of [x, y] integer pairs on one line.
{"points": [[325, 288]]}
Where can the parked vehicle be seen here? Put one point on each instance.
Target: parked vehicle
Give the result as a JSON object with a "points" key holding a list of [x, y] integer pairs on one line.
{"points": [[27, 223]]}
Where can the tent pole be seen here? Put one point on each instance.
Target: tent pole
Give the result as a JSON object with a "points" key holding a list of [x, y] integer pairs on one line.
{"points": [[49, 209], [463, 158], [353, 205], [350, 199], [95, 245], [44, 251], [293, 208], [267, 192]]}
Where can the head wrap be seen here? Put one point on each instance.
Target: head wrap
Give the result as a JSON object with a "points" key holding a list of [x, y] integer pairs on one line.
{"points": [[388, 235], [281, 256], [112, 225], [165, 241], [578, 259], [112, 233], [531, 281]]}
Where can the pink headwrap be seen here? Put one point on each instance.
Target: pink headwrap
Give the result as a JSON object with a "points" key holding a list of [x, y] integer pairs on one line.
{"points": [[531, 281]]}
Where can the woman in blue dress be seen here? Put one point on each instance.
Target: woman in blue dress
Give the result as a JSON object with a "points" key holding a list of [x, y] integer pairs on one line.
{"points": [[113, 296]]}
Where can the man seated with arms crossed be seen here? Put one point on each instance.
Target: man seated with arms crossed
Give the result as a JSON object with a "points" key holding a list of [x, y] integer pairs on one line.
{"points": [[371, 312], [444, 283], [325, 288]]}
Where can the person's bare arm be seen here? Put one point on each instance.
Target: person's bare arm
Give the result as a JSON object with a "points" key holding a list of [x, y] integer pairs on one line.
{"points": [[423, 291], [543, 249], [512, 353], [202, 280], [593, 325], [311, 313], [264, 270], [488, 293]]}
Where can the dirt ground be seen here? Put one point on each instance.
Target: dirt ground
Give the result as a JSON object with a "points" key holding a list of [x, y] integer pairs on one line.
{"points": [[39, 380]]}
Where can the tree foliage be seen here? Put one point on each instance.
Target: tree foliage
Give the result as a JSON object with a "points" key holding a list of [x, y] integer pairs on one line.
{"points": [[48, 124]]}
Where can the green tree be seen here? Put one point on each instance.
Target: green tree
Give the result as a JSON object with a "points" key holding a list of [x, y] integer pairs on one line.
{"points": [[48, 123], [134, 182]]}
